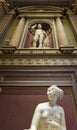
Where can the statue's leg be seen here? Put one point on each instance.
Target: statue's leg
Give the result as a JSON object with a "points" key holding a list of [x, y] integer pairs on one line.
{"points": [[35, 41], [40, 41]]}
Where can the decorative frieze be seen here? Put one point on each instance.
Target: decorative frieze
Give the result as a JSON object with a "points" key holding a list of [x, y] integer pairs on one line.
{"points": [[38, 61]]}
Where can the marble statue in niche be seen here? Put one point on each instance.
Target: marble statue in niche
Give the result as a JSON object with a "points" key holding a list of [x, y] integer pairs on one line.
{"points": [[40, 36], [49, 115]]}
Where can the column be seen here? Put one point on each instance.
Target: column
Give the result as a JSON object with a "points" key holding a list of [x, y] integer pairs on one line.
{"points": [[17, 33], [60, 33]]}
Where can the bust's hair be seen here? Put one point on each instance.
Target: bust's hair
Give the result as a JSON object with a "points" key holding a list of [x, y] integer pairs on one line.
{"points": [[57, 91]]}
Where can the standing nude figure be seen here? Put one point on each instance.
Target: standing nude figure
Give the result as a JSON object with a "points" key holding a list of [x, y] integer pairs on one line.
{"points": [[39, 36]]}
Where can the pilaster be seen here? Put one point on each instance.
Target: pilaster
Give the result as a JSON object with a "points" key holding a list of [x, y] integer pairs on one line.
{"points": [[64, 46], [17, 33]]}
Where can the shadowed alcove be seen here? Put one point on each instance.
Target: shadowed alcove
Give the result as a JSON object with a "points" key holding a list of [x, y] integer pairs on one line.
{"points": [[30, 35]]}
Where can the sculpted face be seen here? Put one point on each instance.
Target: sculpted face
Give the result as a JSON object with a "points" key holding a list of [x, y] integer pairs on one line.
{"points": [[39, 26], [52, 95]]}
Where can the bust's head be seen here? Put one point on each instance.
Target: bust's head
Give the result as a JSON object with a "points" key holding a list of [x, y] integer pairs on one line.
{"points": [[53, 91]]}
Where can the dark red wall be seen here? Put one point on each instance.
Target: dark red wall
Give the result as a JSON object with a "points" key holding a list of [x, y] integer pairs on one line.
{"points": [[17, 107]]}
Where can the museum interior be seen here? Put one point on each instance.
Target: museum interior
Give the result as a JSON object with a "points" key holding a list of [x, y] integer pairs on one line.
{"points": [[38, 48]]}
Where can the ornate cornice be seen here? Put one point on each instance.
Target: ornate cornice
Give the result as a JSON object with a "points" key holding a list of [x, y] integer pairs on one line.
{"points": [[40, 12], [43, 58]]}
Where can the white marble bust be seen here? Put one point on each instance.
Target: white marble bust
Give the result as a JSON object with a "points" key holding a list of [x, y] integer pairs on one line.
{"points": [[49, 115]]}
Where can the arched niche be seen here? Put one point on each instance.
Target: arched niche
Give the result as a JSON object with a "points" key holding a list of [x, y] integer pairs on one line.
{"points": [[47, 25]]}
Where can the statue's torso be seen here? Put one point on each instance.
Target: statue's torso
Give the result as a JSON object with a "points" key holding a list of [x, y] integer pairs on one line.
{"points": [[49, 114]]}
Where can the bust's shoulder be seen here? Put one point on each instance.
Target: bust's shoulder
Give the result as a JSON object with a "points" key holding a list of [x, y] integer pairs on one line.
{"points": [[41, 106], [61, 109]]}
